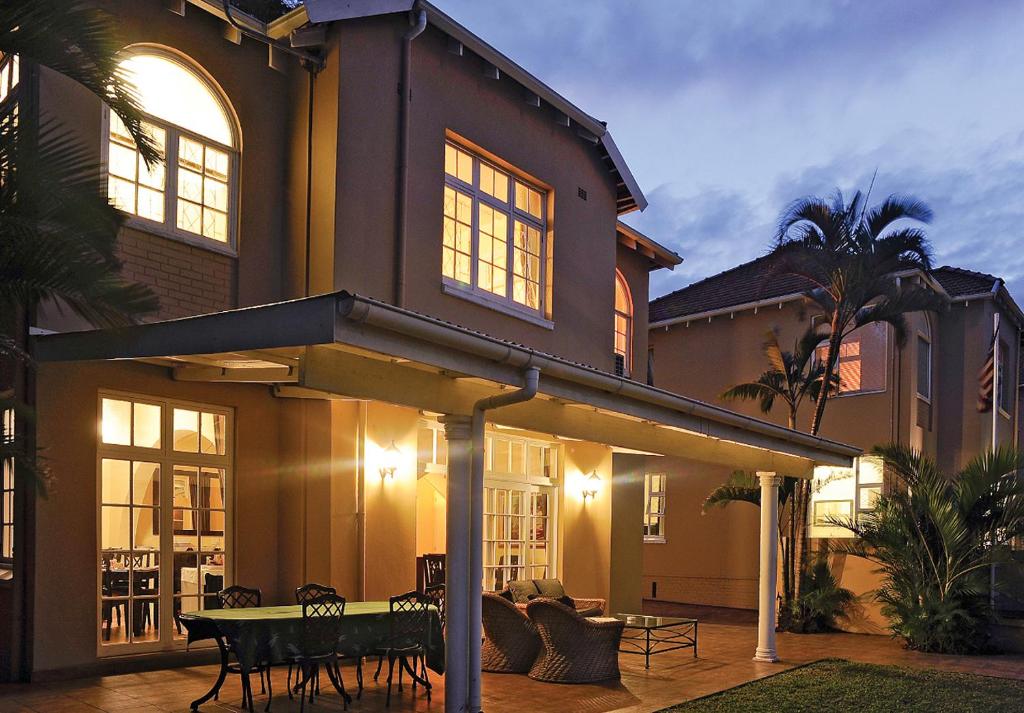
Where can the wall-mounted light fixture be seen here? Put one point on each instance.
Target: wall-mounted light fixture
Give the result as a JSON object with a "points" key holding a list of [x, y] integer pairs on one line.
{"points": [[590, 486], [391, 458]]}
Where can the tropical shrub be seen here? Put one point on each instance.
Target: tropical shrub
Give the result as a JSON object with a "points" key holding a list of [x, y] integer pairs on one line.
{"points": [[934, 538], [821, 602]]}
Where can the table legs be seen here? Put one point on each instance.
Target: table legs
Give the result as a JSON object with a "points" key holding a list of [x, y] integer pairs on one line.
{"points": [[220, 677]]}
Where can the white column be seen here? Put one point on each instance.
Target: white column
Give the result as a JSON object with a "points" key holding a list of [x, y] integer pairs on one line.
{"points": [[766, 606], [457, 431]]}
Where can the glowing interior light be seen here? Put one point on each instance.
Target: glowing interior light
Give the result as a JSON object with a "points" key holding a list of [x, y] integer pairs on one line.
{"points": [[170, 92]]}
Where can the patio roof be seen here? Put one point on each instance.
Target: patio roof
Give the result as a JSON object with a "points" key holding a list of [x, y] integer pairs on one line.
{"points": [[345, 345]]}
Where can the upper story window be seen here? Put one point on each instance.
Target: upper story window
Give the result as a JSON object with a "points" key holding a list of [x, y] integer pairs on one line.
{"points": [[623, 326], [10, 75], [192, 193], [924, 367], [495, 233], [861, 362]]}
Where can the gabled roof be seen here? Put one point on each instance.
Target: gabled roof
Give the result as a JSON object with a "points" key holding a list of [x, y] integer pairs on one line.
{"points": [[958, 282], [743, 285], [658, 254], [629, 197], [752, 284]]}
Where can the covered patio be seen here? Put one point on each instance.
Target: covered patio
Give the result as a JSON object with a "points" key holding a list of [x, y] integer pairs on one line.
{"points": [[352, 385], [673, 678]]}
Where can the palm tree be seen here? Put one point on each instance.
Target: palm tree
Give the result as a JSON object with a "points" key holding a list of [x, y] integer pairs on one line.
{"points": [[790, 378], [852, 256], [934, 538], [58, 230]]}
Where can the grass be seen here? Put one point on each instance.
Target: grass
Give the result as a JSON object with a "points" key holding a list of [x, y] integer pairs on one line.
{"points": [[841, 686]]}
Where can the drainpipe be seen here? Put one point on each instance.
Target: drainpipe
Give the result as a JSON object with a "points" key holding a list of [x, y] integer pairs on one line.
{"points": [[531, 379], [404, 122]]}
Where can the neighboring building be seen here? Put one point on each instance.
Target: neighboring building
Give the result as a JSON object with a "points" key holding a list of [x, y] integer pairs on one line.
{"points": [[367, 266], [708, 336]]}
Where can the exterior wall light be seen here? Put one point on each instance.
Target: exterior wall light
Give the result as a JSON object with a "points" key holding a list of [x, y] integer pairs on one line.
{"points": [[590, 486], [391, 459]]}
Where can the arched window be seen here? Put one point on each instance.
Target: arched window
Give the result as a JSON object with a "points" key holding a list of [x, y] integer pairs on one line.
{"points": [[192, 193], [623, 326]]}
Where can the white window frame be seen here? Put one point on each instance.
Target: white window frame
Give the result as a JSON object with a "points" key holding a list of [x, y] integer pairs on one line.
{"points": [[1006, 380], [7, 496], [885, 368], [927, 398], [649, 512], [166, 457], [169, 227], [627, 357], [506, 303]]}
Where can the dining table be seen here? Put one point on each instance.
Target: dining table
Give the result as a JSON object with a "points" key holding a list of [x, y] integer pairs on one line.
{"points": [[273, 635]]}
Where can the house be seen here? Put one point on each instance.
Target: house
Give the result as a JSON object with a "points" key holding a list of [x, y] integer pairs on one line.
{"points": [[398, 316], [707, 337]]}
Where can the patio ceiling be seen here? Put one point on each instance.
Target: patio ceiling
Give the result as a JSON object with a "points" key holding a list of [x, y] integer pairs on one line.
{"points": [[344, 346]]}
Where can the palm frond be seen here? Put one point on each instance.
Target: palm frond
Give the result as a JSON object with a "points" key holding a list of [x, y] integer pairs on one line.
{"points": [[78, 40], [58, 231]]}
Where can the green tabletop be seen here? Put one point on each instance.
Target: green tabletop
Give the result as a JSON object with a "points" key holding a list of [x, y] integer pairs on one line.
{"points": [[274, 634]]}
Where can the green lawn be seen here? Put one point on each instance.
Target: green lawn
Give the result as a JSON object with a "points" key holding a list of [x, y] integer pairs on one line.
{"points": [[841, 687]]}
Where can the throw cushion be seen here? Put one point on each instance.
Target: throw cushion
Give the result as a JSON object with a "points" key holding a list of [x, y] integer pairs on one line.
{"points": [[550, 588], [522, 589], [505, 594], [567, 601]]}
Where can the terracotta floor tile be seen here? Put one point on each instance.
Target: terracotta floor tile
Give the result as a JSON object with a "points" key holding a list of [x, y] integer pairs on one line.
{"points": [[726, 647]]}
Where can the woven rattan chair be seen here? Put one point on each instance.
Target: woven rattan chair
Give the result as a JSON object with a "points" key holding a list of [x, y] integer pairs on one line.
{"points": [[238, 597], [511, 642], [321, 630], [574, 649], [521, 591]]}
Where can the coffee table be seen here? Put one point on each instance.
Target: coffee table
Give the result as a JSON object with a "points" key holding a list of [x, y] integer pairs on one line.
{"points": [[650, 635]]}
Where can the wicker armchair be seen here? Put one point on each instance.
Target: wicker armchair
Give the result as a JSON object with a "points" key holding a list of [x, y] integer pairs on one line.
{"points": [[575, 649], [511, 642], [521, 591]]}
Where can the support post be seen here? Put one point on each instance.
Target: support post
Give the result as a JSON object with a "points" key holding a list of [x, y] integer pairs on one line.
{"points": [[458, 433], [769, 567]]}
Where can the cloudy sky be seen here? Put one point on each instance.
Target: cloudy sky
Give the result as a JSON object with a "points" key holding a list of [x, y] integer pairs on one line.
{"points": [[728, 110]]}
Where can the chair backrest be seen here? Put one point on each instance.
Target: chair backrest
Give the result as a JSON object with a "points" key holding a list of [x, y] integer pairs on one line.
{"points": [[321, 624], [312, 590], [213, 584], [500, 616], [238, 597], [436, 594], [410, 618], [434, 565]]}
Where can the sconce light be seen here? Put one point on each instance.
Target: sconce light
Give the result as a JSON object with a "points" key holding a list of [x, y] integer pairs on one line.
{"points": [[391, 459], [590, 486]]}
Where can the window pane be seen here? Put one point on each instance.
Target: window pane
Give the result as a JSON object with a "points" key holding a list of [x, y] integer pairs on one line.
{"points": [[116, 420], [189, 217], [146, 484], [493, 182], [115, 528], [190, 185], [213, 433], [146, 528], [186, 430], [168, 90], [122, 194], [122, 161], [147, 425], [115, 483], [150, 204], [215, 225]]}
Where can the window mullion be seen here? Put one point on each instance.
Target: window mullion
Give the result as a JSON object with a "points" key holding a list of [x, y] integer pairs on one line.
{"points": [[171, 179]]}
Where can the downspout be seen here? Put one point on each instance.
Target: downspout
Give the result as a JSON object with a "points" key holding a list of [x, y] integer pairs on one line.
{"points": [[531, 379], [404, 123]]}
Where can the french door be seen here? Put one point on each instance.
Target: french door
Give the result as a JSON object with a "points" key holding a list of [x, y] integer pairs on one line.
{"points": [[518, 533], [163, 470]]}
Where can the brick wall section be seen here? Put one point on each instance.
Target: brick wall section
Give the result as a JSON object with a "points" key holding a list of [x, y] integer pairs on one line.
{"points": [[188, 280], [707, 591]]}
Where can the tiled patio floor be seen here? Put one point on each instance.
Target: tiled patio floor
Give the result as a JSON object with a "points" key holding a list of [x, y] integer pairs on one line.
{"points": [[726, 646]]}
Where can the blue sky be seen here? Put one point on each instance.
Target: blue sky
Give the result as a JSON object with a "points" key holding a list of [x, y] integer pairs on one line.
{"points": [[727, 110]]}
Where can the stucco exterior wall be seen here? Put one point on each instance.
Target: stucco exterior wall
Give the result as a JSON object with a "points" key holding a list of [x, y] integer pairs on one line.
{"points": [[259, 97], [66, 616], [451, 93]]}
